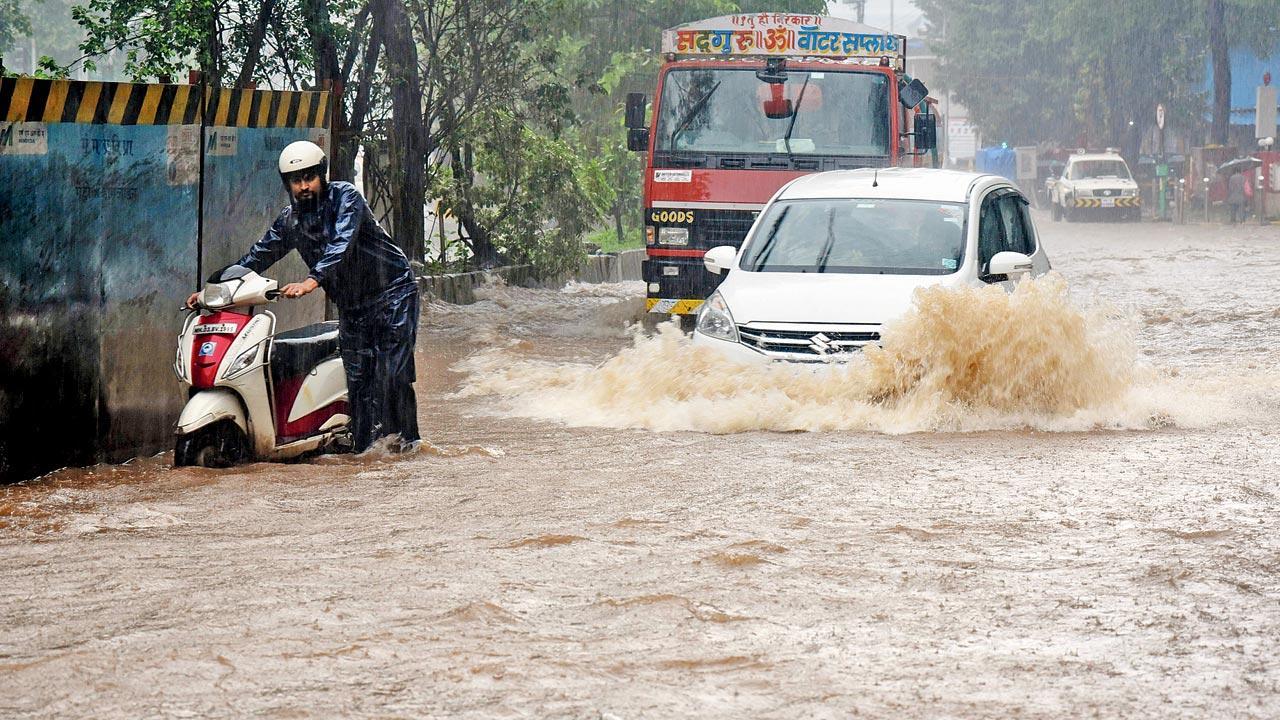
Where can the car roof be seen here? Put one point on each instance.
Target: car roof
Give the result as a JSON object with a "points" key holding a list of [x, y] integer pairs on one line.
{"points": [[1096, 156], [891, 183]]}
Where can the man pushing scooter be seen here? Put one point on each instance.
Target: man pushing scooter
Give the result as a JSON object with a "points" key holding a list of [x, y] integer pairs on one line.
{"points": [[366, 275]]}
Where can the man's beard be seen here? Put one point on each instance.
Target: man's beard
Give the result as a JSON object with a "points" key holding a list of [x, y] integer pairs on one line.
{"points": [[307, 204]]}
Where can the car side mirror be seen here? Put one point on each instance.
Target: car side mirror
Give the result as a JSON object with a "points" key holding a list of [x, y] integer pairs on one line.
{"points": [[720, 258], [1009, 264], [638, 139]]}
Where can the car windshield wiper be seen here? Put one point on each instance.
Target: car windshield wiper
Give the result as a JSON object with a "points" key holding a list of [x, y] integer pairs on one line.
{"points": [[693, 113], [830, 243], [770, 242], [795, 112]]}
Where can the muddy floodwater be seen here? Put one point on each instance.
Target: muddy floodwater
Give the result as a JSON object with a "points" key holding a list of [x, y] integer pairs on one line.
{"points": [[1060, 503]]}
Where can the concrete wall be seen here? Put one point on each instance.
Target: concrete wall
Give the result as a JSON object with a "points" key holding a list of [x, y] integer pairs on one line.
{"points": [[460, 288], [99, 204]]}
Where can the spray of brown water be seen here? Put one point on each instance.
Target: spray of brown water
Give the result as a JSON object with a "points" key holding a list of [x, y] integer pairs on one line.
{"points": [[960, 360]]}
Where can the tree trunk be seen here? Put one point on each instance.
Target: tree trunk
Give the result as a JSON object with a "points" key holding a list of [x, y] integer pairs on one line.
{"points": [[408, 156], [256, 38], [1218, 47], [316, 14], [348, 140]]}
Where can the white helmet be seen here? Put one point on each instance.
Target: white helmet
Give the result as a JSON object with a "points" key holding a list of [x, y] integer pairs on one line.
{"points": [[302, 155]]}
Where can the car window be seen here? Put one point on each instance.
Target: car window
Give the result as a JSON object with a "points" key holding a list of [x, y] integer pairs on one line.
{"points": [[990, 232], [1016, 224]]}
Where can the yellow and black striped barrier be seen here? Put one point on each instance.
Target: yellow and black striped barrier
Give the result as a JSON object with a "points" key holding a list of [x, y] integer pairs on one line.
{"points": [[1096, 202], [69, 101]]}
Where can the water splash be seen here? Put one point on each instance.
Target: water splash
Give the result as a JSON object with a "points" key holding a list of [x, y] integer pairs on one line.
{"points": [[960, 360]]}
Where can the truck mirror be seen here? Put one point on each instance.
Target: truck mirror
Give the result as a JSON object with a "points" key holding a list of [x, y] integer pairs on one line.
{"points": [[636, 103], [926, 131], [638, 139], [913, 93]]}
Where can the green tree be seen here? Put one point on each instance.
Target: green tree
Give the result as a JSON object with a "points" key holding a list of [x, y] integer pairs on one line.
{"points": [[14, 24]]}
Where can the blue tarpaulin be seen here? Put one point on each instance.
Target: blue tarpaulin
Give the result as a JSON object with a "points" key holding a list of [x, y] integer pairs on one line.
{"points": [[1001, 161]]}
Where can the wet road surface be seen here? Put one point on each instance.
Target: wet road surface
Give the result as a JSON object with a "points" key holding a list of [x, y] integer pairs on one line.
{"points": [[1091, 530]]}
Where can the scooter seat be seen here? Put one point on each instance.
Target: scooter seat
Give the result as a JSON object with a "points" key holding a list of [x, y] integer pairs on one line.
{"points": [[295, 352]]}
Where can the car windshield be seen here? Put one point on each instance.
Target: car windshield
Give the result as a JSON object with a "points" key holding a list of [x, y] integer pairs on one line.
{"points": [[732, 111], [1088, 169], [908, 237]]}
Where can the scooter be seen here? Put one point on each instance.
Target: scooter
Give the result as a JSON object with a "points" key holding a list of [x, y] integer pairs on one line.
{"points": [[254, 394]]}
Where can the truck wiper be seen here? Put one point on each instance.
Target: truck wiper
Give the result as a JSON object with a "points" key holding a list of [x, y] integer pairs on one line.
{"points": [[693, 112], [795, 112]]}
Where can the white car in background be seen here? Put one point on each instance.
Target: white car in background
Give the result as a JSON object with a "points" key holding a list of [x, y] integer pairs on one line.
{"points": [[1096, 185], [834, 256]]}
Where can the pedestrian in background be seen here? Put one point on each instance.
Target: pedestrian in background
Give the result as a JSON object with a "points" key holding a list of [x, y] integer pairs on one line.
{"points": [[1235, 196]]}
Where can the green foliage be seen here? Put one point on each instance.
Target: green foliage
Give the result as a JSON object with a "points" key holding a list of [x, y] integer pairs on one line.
{"points": [[14, 23], [538, 196], [1077, 72]]}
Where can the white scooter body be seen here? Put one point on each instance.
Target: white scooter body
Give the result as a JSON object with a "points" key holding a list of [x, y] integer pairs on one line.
{"points": [[241, 406]]}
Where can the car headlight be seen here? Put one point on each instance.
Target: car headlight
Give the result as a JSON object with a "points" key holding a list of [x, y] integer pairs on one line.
{"points": [[715, 321], [1129, 192], [673, 236], [241, 362]]}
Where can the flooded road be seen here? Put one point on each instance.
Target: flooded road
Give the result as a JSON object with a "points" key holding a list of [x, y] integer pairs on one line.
{"points": [[609, 528]]}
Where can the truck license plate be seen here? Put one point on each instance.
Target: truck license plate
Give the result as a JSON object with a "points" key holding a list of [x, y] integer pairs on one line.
{"points": [[1108, 202], [215, 328]]}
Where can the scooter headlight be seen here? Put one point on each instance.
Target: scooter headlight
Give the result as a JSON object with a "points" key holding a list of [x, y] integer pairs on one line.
{"points": [[216, 295], [715, 321]]}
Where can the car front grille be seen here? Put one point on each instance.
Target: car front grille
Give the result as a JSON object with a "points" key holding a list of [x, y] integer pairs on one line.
{"points": [[808, 343]]}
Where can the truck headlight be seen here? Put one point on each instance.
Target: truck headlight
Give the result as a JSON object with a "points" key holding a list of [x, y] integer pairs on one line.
{"points": [[673, 236], [714, 319]]}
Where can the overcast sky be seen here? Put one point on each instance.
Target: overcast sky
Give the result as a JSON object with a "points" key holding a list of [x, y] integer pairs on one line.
{"points": [[905, 14]]}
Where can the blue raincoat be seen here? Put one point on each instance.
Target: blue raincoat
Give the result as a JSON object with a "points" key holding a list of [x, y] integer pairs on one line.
{"points": [[368, 277]]}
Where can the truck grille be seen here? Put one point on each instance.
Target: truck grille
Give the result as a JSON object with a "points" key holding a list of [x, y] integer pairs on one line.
{"points": [[722, 227], [806, 343]]}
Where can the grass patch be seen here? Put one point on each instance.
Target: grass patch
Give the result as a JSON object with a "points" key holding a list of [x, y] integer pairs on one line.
{"points": [[607, 239]]}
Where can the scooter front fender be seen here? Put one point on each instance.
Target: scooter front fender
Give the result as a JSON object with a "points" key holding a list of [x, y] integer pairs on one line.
{"points": [[210, 406]]}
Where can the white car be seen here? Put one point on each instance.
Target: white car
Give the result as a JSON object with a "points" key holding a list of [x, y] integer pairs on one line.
{"points": [[1096, 184], [833, 256]]}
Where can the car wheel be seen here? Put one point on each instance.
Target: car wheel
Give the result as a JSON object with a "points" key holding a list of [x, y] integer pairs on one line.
{"points": [[219, 445]]}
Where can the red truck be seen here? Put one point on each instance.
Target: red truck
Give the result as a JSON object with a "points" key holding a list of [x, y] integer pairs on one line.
{"points": [[744, 104]]}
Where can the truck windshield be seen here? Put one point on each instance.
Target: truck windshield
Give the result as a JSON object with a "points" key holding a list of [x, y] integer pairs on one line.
{"points": [[723, 110], [1086, 169], [905, 237]]}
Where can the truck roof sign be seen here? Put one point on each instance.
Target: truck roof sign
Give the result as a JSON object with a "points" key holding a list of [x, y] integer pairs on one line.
{"points": [[782, 34]]}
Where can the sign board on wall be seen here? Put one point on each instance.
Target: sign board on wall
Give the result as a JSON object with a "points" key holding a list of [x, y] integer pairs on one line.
{"points": [[1026, 158], [962, 139]]}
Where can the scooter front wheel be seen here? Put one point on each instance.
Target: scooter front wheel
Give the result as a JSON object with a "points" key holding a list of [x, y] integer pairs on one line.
{"points": [[219, 445]]}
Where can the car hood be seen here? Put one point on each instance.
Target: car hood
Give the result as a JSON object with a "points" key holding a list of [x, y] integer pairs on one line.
{"points": [[814, 298]]}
